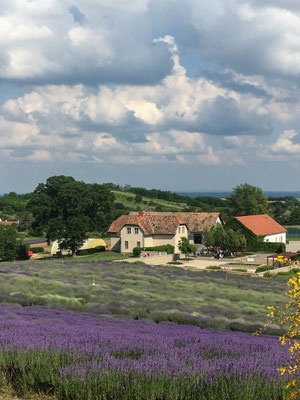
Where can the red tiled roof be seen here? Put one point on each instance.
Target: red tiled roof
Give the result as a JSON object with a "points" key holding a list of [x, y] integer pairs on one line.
{"points": [[198, 221], [165, 222], [150, 222], [261, 224], [9, 222]]}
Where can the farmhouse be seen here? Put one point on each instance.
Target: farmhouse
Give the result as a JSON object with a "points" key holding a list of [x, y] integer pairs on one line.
{"points": [[263, 226], [148, 229]]}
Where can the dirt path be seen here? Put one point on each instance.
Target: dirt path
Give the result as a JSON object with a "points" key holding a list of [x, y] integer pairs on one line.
{"points": [[293, 246]]}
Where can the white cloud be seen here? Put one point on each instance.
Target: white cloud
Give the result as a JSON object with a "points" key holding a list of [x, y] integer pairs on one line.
{"points": [[284, 143], [39, 155]]}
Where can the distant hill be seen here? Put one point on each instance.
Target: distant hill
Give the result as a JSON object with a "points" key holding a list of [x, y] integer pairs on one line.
{"points": [[127, 199], [226, 194], [209, 194]]}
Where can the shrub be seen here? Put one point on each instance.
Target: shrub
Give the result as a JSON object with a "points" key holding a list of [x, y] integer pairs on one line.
{"points": [[22, 251], [214, 267], [264, 268], [268, 275], [36, 250], [94, 250]]}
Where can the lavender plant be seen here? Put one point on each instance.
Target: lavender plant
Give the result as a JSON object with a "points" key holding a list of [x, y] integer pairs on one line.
{"points": [[76, 355]]}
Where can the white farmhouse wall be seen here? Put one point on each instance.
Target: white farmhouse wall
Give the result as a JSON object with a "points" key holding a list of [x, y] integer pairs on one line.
{"points": [[148, 241], [161, 240], [181, 231], [115, 242], [131, 238], [277, 237]]}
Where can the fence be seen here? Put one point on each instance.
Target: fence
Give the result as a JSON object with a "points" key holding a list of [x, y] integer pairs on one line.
{"points": [[293, 233]]}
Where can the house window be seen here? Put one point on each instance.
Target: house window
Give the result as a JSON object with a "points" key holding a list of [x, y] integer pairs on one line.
{"points": [[182, 229], [136, 230], [126, 245], [197, 238], [179, 230], [128, 230], [138, 244]]}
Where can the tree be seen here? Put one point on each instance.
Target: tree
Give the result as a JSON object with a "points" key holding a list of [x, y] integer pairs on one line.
{"points": [[8, 242], [248, 200], [219, 236], [208, 238], [66, 209], [234, 240], [138, 198], [186, 247], [226, 239]]}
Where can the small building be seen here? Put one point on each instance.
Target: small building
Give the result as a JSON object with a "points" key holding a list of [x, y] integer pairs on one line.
{"points": [[146, 229], [8, 222], [88, 244], [263, 226]]}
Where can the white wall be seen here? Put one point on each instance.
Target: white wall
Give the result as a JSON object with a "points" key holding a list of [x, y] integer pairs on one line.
{"points": [[132, 238], [277, 237]]}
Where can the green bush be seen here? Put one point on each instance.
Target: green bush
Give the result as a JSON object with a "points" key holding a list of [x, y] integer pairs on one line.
{"points": [[214, 267], [36, 250], [267, 247], [168, 248], [86, 252], [22, 251], [268, 275], [264, 268]]}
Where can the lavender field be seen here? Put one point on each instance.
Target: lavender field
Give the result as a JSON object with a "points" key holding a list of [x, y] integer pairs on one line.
{"points": [[76, 355], [203, 298]]}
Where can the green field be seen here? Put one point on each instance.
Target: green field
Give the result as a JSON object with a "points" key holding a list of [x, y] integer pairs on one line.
{"points": [[209, 298], [128, 200]]}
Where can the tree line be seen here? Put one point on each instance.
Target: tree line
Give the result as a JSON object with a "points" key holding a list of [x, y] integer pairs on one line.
{"points": [[64, 209]]}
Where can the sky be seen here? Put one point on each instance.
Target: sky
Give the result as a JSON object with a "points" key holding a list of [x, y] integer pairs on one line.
{"points": [[180, 95]]}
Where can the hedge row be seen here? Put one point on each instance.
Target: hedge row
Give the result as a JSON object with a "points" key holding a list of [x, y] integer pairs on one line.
{"points": [[36, 250], [268, 247], [86, 252], [165, 247]]}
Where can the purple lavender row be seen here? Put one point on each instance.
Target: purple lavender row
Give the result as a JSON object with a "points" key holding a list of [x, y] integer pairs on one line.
{"points": [[97, 344]]}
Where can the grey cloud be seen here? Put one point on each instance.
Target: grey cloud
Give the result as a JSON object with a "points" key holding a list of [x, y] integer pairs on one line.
{"points": [[77, 14], [119, 49], [225, 117], [284, 4], [226, 80]]}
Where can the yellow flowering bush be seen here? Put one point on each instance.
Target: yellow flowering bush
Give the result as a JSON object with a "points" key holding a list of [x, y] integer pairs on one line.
{"points": [[290, 317]]}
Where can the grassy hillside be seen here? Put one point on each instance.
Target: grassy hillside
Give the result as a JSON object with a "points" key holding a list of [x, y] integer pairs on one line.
{"points": [[128, 200], [204, 298]]}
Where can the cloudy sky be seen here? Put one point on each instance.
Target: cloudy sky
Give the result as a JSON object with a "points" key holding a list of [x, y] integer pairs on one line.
{"points": [[174, 94]]}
